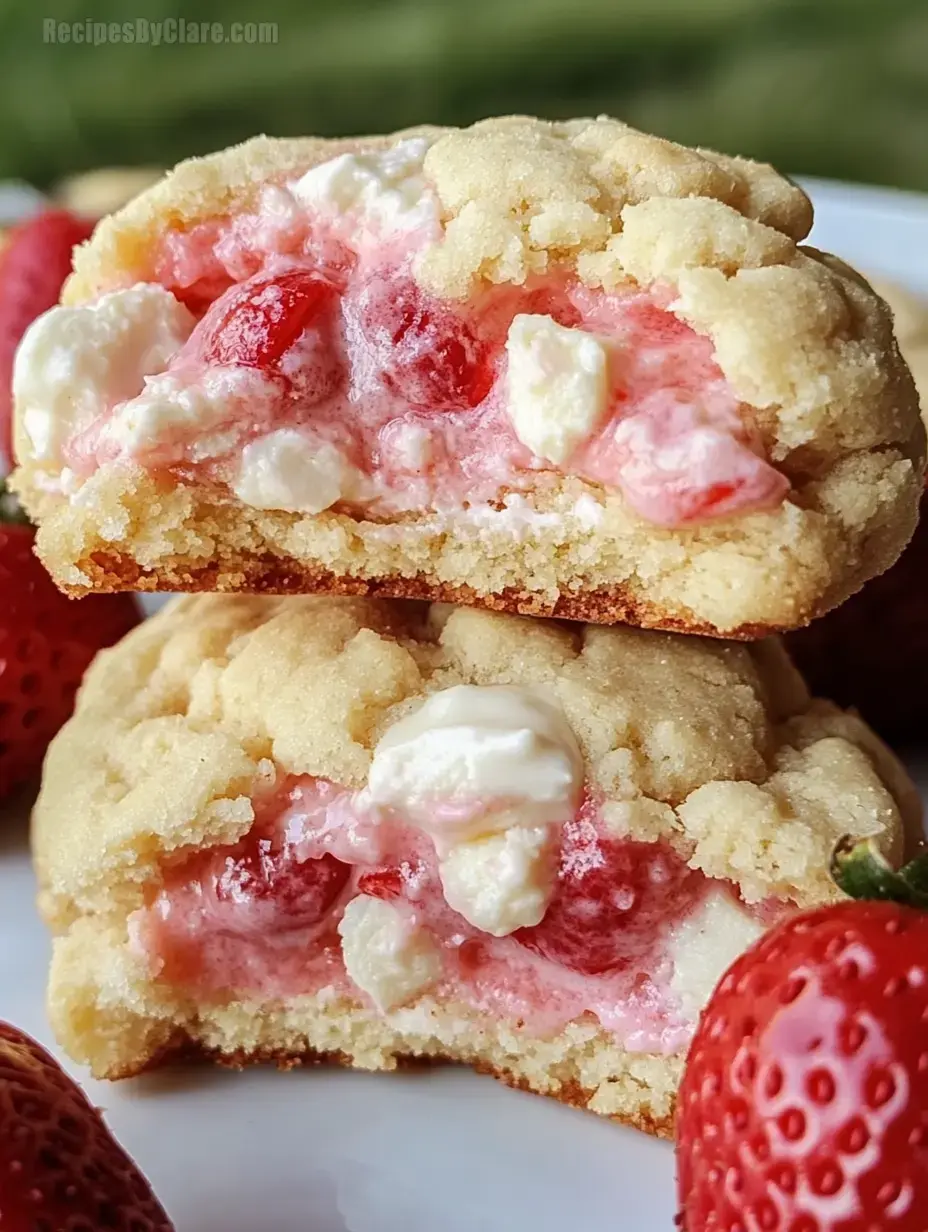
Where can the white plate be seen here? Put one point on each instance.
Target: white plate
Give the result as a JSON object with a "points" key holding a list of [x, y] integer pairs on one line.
{"points": [[879, 230], [443, 1151]]}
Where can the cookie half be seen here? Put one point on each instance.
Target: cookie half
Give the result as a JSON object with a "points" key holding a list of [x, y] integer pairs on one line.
{"points": [[323, 829], [553, 368]]}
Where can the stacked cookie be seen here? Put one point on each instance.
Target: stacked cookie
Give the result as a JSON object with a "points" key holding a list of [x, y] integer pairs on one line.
{"points": [[580, 382]]}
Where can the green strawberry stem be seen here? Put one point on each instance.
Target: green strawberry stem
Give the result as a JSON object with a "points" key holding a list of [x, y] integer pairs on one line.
{"points": [[10, 508], [862, 871]]}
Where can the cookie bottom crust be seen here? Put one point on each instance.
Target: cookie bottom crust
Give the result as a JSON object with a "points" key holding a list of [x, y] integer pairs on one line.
{"points": [[111, 1014], [636, 1112], [566, 550], [266, 575]]}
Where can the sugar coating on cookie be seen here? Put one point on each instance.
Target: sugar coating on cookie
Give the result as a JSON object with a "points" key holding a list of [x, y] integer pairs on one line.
{"points": [[288, 827], [560, 368]]}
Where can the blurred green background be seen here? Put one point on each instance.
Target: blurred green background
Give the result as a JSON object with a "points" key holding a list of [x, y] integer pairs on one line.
{"points": [[825, 87]]}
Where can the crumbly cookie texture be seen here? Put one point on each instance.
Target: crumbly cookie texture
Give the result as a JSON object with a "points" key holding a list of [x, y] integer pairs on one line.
{"points": [[546, 191], [567, 550], [713, 746], [802, 340]]}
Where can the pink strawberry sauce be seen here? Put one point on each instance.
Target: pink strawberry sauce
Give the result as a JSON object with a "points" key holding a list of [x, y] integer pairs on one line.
{"points": [[259, 918], [413, 390]]}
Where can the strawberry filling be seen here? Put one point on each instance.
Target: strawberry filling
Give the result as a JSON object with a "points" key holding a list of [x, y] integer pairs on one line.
{"points": [[414, 392], [261, 919], [614, 898]]}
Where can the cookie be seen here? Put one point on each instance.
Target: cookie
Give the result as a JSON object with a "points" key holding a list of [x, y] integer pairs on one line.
{"points": [[329, 829], [872, 653], [559, 369]]}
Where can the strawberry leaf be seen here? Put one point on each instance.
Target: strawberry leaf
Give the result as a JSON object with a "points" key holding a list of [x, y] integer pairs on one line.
{"points": [[861, 870]]}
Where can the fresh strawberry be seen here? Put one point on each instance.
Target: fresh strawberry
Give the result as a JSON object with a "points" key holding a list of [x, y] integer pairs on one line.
{"points": [[424, 352], [612, 898], [260, 870], [60, 1168], [34, 262], [46, 643], [804, 1106], [280, 323]]}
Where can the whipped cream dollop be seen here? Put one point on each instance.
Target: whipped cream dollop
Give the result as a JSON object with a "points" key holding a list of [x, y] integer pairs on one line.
{"points": [[475, 759], [175, 413], [490, 772], [74, 363]]}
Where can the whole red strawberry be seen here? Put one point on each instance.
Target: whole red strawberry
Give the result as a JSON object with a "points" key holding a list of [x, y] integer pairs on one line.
{"points": [[804, 1107], [46, 643], [60, 1168], [34, 262]]}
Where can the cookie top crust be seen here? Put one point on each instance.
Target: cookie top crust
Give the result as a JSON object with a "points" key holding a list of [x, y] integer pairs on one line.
{"points": [[715, 747], [515, 193], [801, 338]]}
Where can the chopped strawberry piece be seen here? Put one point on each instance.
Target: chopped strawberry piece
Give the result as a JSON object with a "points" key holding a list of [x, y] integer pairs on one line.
{"points": [[409, 879], [46, 643], [613, 898], [551, 301], [711, 501], [716, 474], [756, 486], [59, 1164], [383, 883], [200, 295], [34, 262], [424, 352], [657, 325], [282, 324], [263, 318], [260, 870], [190, 269]]}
